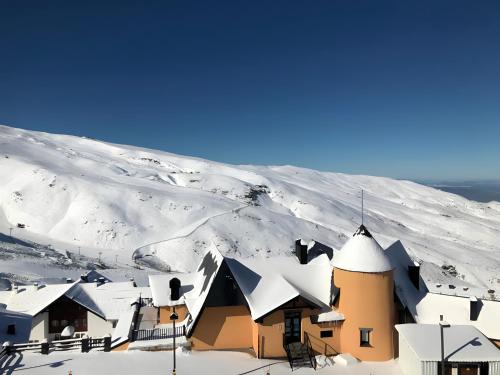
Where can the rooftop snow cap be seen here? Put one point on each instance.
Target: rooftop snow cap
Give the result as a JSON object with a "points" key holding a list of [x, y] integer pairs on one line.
{"points": [[362, 253]]}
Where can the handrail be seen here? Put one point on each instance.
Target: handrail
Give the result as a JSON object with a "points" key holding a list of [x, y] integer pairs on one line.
{"points": [[325, 348], [288, 354], [310, 353]]}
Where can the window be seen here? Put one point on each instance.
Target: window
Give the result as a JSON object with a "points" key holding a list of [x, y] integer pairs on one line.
{"points": [[328, 333], [364, 336], [11, 329]]}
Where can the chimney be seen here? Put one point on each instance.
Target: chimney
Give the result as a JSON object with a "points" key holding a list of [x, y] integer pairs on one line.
{"points": [[474, 308], [175, 286], [301, 251], [36, 285], [15, 288], [84, 278], [69, 280], [101, 281], [414, 274]]}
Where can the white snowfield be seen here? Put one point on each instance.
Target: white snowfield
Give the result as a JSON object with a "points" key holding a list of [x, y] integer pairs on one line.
{"points": [[76, 192], [194, 363]]}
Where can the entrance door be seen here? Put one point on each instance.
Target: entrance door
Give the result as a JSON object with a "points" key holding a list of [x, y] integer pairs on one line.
{"points": [[292, 327]]}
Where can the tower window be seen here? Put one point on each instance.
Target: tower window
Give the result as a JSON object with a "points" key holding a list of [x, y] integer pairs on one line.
{"points": [[364, 336]]}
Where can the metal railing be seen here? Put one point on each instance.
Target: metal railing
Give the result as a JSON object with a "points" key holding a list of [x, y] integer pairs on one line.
{"points": [[320, 346], [158, 333], [310, 351]]}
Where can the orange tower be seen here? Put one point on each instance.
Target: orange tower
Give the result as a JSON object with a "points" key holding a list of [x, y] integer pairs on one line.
{"points": [[364, 275]]}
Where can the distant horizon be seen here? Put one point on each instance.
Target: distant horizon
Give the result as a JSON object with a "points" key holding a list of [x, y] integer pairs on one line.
{"points": [[387, 88]]}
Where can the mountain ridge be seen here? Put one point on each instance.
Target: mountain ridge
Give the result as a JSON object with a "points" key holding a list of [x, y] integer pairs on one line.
{"points": [[81, 193]]}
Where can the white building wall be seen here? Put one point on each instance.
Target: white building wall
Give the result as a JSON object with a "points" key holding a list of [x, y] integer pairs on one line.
{"points": [[494, 368], [429, 368], [408, 361], [97, 326], [40, 327]]}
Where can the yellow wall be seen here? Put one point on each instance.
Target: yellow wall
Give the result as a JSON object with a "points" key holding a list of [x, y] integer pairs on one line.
{"points": [[121, 347], [270, 334], [367, 301], [165, 312], [226, 327]]}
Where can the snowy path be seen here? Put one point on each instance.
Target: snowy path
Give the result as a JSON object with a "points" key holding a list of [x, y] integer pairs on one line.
{"points": [[207, 363], [143, 250]]}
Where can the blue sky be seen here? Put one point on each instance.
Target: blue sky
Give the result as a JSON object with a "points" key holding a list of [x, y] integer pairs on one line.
{"points": [[394, 88]]}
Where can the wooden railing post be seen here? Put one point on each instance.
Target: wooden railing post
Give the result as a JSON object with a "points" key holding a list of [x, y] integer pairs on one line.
{"points": [[85, 344], [107, 343], [45, 346]]}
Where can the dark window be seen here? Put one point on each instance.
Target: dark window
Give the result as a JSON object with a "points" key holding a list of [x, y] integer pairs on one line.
{"points": [[11, 329], [328, 333], [364, 336], [64, 312]]}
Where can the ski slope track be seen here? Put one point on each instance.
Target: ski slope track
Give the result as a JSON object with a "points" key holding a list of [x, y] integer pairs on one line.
{"points": [[79, 194]]}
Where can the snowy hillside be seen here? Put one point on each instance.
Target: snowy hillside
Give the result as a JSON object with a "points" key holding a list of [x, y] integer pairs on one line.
{"points": [[74, 192]]}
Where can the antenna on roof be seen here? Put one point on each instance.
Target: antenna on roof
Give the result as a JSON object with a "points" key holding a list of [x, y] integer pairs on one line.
{"points": [[362, 206]]}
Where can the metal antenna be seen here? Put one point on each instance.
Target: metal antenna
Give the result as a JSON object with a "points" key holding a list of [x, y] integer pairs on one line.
{"points": [[362, 206]]}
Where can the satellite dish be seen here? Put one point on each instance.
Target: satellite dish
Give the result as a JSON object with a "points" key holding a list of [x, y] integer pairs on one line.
{"points": [[68, 332]]}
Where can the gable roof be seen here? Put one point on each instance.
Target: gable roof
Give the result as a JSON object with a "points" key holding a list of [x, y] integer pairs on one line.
{"points": [[362, 253], [32, 300], [108, 300], [202, 281], [462, 343], [271, 282]]}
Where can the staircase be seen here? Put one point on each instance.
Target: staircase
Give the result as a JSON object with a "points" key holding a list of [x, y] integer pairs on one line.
{"points": [[299, 354]]}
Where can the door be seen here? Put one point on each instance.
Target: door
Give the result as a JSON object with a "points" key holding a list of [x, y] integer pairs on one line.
{"points": [[292, 327]]}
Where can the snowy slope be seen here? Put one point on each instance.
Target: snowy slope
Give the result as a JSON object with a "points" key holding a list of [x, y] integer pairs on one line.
{"points": [[121, 200]]}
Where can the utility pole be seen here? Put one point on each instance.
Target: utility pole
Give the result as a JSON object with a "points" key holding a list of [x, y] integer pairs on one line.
{"points": [[78, 250], [175, 286], [10, 231], [116, 259], [174, 318], [100, 253]]}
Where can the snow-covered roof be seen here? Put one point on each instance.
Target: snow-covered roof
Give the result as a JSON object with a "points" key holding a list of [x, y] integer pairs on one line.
{"points": [[408, 294], [462, 343], [202, 282], [426, 307], [362, 253], [30, 299], [160, 288], [123, 327], [271, 282], [108, 300], [456, 310], [330, 316], [22, 326]]}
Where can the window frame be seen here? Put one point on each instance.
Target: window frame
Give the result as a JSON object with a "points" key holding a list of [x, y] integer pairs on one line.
{"points": [[368, 332]]}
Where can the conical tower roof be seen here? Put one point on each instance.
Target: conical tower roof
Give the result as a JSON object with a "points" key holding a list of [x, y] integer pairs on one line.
{"points": [[362, 253]]}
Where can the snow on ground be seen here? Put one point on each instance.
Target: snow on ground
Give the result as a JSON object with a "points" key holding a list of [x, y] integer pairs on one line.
{"points": [[79, 194], [207, 363]]}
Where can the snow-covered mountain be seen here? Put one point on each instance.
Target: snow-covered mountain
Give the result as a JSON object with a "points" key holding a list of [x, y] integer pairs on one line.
{"points": [[80, 194]]}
